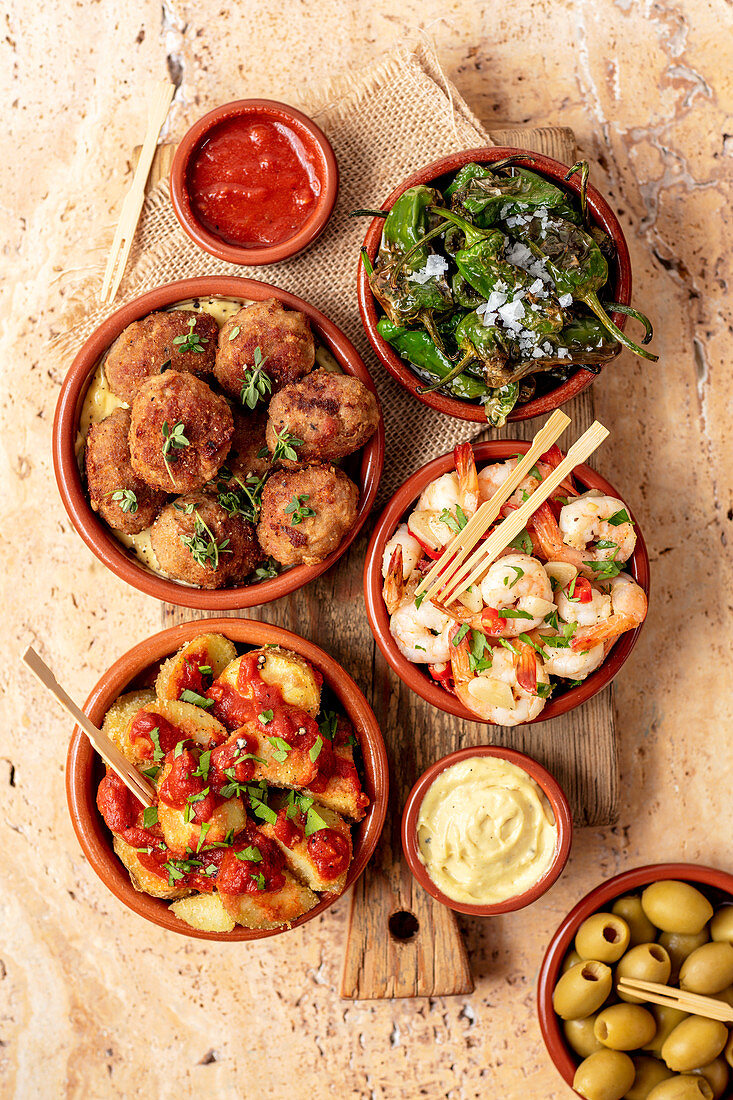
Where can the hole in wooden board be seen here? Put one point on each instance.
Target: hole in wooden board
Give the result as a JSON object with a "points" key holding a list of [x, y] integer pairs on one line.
{"points": [[403, 925]]}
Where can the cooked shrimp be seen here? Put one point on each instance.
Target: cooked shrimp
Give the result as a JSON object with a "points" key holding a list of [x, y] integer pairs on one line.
{"points": [[586, 522], [422, 633], [518, 586], [628, 610], [479, 693], [411, 551], [456, 490], [573, 610], [570, 663]]}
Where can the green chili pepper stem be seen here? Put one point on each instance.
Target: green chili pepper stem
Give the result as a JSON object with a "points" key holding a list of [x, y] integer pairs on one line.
{"points": [[616, 307], [397, 264], [369, 214], [507, 162], [583, 167], [591, 300], [473, 233], [455, 370], [368, 265]]}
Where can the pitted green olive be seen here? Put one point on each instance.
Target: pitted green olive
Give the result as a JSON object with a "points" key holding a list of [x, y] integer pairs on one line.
{"points": [[582, 990], [647, 961], [650, 1072], [579, 1036], [603, 936], [679, 945], [605, 1075], [676, 907], [667, 1019], [682, 1088], [641, 929], [721, 926], [624, 1027], [717, 1075], [708, 969], [694, 1043]]}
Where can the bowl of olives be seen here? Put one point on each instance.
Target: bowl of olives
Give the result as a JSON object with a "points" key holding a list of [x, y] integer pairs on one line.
{"points": [[670, 923]]}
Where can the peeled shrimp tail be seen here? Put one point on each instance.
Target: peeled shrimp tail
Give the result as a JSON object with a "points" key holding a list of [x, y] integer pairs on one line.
{"points": [[393, 589], [589, 636], [553, 458], [459, 659], [551, 545], [525, 664], [485, 620], [467, 477]]}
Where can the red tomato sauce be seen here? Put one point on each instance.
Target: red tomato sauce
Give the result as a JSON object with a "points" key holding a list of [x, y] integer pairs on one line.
{"points": [[142, 727], [181, 784], [330, 852], [288, 830], [253, 182], [241, 876]]}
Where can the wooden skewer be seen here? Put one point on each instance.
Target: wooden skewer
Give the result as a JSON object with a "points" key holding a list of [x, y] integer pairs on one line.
{"points": [[447, 565], [667, 995], [133, 204], [509, 528], [109, 752]]}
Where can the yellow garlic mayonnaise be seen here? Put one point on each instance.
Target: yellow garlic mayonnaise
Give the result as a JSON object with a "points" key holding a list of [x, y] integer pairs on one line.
{"points": [[486, 831]]}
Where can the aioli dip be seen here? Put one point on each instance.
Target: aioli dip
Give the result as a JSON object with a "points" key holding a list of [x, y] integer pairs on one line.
{"points": [[485, 831]]}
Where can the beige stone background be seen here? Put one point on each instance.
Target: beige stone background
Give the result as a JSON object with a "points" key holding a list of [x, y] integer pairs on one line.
{"points": [[93, 1003]]}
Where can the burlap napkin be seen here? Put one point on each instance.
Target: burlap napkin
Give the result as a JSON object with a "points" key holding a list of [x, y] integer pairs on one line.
{"points": [[384, 123]]}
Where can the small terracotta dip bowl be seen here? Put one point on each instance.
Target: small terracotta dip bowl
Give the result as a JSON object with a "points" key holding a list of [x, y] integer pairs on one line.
{"points": [[137, 667], [439, 174], [552, 791], [307, 142], [716, 885], [495, 450], [95, 533]]}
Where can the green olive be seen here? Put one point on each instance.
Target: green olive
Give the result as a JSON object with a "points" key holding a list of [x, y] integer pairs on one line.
{"points": [[716, 1074], [580, 1037], [582, 990], [649, 1073], [694, 1043], [624, 1027], [603, 936], [679, 945], [676, 907], [667, 1019], [721, 926], [709, 969], [729, 1051], [682, 1088], [571, 959], [725, 995], [647, 961], [605, 1075], [640, 927]]}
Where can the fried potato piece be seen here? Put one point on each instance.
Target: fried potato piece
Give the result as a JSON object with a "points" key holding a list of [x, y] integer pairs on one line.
{"points": [[204, 912], [343, 793], [294, 771], [301, 852], [144, 881], [118, 718], [192, 721], [182, 671], [180, 834], [270, 908], [297, 680]]}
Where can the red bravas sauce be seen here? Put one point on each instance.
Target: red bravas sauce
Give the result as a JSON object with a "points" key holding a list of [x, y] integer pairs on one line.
{"points": [[253, 182]]}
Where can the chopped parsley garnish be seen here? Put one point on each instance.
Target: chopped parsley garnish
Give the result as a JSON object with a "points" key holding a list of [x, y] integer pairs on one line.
{"points": [[571, 590], [575, 683], [297, 803], [202, 546], [457, 522], [551, 619], [315, 750], [528, 641], [314, 822], [259, 806], [298, 509], [191, 341], [179, 868], [480, 658], [251, 853], [269, 569], [259, 879], [206, 825], [420, 647], [158, 753], [285, 445], [151, 773], [257, 384], [174, 439], [520, 574], [514, 613], [419, 599], [235, 333], [204, 764], [178, 750], [461, 634], [265, 716], [329, 724], [189, 696], [544, 691], [522, 542], [281, 747], [622, 516], [605, 544], [150, 816], [206, 670], [562, 640], [126, 500], [608, 568], [509, 646]]}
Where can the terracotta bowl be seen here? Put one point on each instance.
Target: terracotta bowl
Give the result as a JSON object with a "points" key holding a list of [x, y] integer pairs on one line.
{"points": [[322, 157], [84, 768], [555, 796], [413, 675], [439, 174], [94, 531], [718, 885]]}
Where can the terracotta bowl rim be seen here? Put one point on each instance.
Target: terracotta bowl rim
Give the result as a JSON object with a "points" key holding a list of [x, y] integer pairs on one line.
{"points": [[555, 796], [89, 827], [603, 216], [410, 674], [95, 533], [696, 873], [326, 165]]}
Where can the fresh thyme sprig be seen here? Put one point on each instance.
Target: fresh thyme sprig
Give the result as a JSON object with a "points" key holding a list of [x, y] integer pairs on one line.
{"points": [[298, 509], [191, 341], [285, 445], [257, 384], [126, 499], [202, 546], [173, 439]]}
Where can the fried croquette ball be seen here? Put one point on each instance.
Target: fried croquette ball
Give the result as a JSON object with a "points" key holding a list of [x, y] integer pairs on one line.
{"points": [[283, 336], [157, 342], [180, 432], [123, 500], [306, 511], [333, 414], [197, 541], [244, 459]]}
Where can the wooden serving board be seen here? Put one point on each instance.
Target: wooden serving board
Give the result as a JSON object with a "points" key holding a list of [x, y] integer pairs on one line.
{"points": [[401, 943]]}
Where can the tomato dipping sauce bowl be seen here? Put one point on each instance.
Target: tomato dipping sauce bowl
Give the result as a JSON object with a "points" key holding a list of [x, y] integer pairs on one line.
{"points": [[95, 533], [311, 149], [550, 788], [84, 768], [717, 885], [439, 174], [496, 450]]}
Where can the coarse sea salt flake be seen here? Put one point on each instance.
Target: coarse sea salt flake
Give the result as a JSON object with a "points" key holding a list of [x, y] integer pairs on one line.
{"points": [[566, 300], [434, 265], [563, 353], [511, 312], [537, 353]]}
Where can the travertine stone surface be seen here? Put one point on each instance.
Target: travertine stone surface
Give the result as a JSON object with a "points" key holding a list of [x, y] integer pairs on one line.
{"points": [[94, 1003]]}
